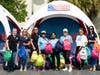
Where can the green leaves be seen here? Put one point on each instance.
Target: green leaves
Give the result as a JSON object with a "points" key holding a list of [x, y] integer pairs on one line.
{"points": [[16, 7]]}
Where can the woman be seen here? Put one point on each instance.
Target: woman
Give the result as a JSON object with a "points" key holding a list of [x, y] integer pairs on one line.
{"points": [[66, 53], [55, 53], [81, 41], [24, 42], [92, 38], [12, 42], [34, 40], [42, 41], [34, 44]]}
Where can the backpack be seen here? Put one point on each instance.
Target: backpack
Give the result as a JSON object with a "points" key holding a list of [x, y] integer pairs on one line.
{"points": [[39, 61], [7, 55], [22, 53], [88, 52], [34, 56], [83, 53], [58, 47], [95, 53], [48, 48], [67, 44], [62, 61]]}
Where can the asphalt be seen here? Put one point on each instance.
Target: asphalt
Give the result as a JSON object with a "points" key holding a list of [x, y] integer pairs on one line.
{"points": [[50, 72]]}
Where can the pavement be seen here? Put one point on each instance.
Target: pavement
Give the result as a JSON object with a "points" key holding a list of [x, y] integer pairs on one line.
{"points": [[50, 72]]}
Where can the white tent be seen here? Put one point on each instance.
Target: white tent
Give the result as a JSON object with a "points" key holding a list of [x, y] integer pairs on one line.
{"points": [[7, 23], [5, 17], [58, 9]]}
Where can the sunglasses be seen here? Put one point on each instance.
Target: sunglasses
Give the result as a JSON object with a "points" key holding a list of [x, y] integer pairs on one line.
{"points": [[91, 29]]}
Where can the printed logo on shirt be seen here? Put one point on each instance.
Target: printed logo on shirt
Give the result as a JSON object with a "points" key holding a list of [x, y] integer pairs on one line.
{"points": [[79, 39]]}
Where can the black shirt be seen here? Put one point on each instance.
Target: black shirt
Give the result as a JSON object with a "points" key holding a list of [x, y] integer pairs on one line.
{"points": [[35, 37], [24, 40], [13, 41], [92, 37]]}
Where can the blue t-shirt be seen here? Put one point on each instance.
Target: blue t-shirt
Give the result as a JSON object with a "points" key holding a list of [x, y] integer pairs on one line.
{"points": [[62, 38], [92, 37], [42, 43], [53, 42]]}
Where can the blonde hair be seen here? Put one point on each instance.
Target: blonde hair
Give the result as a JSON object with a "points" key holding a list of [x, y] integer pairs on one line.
{"points": [[24, 30]]}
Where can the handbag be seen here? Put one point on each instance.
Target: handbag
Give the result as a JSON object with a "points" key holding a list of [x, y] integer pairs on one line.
{"points": [[83, 53], [95, 53]]}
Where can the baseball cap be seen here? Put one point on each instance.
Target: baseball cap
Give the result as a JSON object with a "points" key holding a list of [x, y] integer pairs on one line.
{"points": [[65, 30], [43, 32]]}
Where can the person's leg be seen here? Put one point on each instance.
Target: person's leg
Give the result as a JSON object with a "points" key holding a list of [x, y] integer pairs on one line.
{"points": [[94, 63], [53, 60], [21, 64], [76, 53], [58, 60], [82, 64], [65, 57], [13, 59]]}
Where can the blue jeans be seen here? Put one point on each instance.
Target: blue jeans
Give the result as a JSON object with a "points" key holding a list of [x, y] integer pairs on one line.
{"points": [[11, 63], [92, 61], [23, 61]]}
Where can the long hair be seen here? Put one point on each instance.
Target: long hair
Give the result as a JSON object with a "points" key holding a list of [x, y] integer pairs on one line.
{"points": [[25, 30], [93, 32]]}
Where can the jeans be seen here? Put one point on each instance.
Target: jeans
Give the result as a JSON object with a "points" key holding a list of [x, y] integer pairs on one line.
{"points": [[23, 61], [11, 63], [92, 61]]}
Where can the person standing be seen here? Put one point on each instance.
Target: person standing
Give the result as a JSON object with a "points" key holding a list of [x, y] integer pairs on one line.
{"points": [[66, 53], [55, 53], [81, 41], [92, 38], [24, 42], [12, 42], [42, 41], [34, 40]]}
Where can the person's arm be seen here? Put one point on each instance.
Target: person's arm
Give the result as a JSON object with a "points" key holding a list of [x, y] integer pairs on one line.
{"points": [[28, 43], [7, 44], [96, 39], [39, 44], [31, 41], [86, 41], [71, 39]]}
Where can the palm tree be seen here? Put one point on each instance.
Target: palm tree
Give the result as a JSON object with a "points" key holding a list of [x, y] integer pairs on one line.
{"points": [[90, 7]]}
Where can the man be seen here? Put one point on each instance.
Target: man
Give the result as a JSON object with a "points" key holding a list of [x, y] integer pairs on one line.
{"points": [[12, 42]]}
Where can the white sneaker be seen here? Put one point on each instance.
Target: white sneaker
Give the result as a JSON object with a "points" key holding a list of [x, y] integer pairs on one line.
{"points": [[70, 69], [65, 69]]}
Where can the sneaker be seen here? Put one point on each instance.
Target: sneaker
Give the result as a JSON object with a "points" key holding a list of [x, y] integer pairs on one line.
{"points": [[65, 69], [25, 69], [70, 69], [21, 69]]}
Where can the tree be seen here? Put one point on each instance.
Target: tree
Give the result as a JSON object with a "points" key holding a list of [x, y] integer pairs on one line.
{"points": [[16, 7], [90, 7]]}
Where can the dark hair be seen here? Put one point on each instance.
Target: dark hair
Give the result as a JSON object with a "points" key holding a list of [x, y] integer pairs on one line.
{"points": [[93, 32], [53, 33]]}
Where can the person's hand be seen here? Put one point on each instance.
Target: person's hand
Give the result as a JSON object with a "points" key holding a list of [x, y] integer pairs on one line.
{"points": [[24, 43], [34, 48], [90, 41]]}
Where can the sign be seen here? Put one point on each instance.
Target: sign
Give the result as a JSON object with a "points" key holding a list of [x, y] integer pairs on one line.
{"points": [[58, 7]]}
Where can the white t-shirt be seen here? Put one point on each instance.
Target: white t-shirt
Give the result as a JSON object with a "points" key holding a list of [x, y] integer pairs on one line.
{"points": [[81, 40]]}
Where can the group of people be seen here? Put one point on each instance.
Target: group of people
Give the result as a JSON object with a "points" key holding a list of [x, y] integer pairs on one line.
{"points": [[37, 42]]}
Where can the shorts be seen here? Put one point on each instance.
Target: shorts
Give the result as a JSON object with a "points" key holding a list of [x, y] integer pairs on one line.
{"points": [[66, 54]]}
